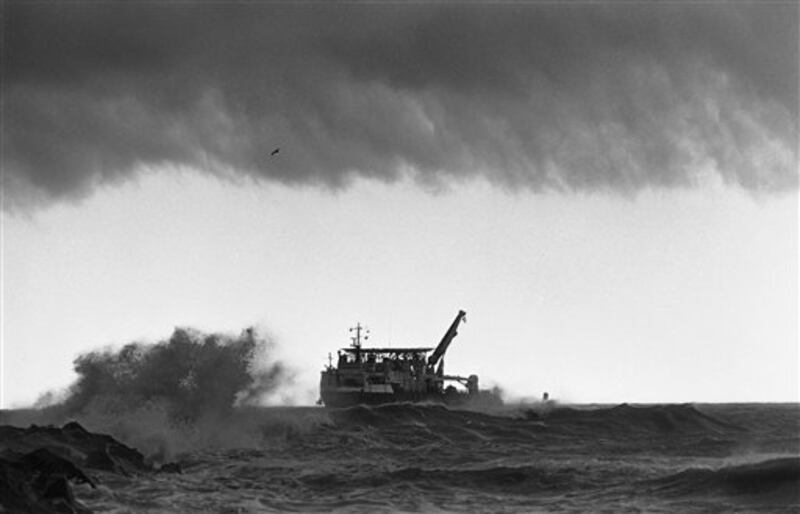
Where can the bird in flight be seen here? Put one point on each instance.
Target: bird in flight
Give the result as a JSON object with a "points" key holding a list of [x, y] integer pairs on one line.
{"points": [[275, 151]]}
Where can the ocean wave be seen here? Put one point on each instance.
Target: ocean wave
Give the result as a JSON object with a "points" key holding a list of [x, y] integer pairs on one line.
{"points": [[423, 457], [522, 479], [778, 477], [659, 418], [623, 418]]}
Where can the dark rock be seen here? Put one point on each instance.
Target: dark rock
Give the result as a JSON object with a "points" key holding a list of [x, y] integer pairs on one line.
{"points": [[100, 459], [45, 463], [75, 430], [38, 482], [57, 487], [76, 444], [38, 463]]}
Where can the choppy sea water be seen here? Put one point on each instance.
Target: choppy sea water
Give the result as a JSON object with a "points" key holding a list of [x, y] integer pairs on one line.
{"points": [[429, 458]]}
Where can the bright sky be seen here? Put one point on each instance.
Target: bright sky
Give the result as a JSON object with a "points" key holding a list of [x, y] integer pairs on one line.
{"points": [[682, 295], [609, 189]]}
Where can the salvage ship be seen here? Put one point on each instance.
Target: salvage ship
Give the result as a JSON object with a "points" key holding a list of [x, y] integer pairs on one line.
{"points": [[388, 375]]}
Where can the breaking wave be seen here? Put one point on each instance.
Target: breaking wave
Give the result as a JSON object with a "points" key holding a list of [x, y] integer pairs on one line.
{"points": [[190, 375], [177, 394]]}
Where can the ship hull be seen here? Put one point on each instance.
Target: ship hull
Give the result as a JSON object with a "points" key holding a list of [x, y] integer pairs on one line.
{"points": [[349, 398]]}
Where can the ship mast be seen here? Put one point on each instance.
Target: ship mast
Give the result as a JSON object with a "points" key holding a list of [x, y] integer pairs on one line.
{"points": [[356, 339]]}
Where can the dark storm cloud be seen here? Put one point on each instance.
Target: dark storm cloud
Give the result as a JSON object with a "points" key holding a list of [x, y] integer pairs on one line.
{"points": [[617, 96]]}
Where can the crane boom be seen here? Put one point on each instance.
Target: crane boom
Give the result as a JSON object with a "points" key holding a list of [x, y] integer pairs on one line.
{"points": [[438, 353]]}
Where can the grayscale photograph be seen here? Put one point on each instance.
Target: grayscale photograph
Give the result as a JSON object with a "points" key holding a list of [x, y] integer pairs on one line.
{"points": [[399, 256]]}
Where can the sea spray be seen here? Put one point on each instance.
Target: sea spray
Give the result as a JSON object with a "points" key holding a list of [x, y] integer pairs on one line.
{"points": [[191, 374], [176, 395]]}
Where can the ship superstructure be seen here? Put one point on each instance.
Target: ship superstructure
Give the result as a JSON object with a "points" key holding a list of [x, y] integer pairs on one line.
{"points": [[386, 375]]}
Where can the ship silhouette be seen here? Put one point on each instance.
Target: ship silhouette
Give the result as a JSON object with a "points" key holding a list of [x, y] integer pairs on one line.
{"points": [[388, 375]]}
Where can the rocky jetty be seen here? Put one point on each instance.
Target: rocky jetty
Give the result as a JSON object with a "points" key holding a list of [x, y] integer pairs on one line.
{"points": [[38, 464]]}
